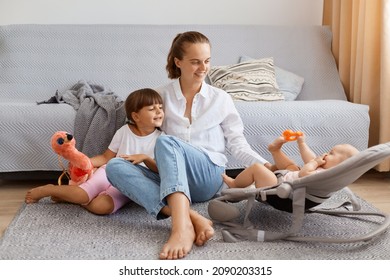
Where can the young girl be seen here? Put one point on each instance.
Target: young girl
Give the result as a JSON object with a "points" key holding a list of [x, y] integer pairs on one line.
{"points": [[134, 142]]}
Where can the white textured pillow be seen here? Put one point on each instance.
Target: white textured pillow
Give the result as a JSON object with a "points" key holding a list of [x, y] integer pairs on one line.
{"points": [[290, 84], [250, 81]]}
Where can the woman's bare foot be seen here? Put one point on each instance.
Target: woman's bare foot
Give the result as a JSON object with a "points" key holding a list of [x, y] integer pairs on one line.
{"points": [[199, 231], [35, 194], [179, 243], [204, 230], [277, 144], [229, 181]]}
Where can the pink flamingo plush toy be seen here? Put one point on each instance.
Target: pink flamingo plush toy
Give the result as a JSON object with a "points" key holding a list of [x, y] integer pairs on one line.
{"points": [[80, 167]]}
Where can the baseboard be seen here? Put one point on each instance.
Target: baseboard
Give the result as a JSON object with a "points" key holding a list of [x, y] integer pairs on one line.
{"points": [[30, 175]]}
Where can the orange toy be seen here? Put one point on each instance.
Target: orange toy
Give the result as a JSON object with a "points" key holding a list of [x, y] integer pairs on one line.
{"points": [[290, 135], [80, 167]]}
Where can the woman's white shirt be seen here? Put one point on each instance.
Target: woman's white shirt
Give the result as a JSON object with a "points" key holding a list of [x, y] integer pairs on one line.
{"points": [[215, 123]]}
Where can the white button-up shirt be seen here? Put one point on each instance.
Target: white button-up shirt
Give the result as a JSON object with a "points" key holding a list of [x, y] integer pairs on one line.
{"points": [[215, 125]]}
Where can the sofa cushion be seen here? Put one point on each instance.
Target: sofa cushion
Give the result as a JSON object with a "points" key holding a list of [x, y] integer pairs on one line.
{"points": [[289, 83], [252, 80]]}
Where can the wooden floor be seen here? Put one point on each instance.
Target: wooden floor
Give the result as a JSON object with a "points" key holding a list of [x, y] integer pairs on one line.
{"points": [[374, 187]]}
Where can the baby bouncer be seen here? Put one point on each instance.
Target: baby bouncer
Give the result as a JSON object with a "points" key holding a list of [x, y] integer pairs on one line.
{"points": [[301, 196]]}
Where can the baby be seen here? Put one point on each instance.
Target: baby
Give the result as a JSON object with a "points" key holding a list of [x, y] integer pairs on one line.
{"points": [[261, 176]]}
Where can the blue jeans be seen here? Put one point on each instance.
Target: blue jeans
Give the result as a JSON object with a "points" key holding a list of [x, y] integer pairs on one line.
{"points": [[182, 168]]}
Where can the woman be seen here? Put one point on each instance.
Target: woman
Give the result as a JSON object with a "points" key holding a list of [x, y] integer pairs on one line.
{"points": [[200, 121]]}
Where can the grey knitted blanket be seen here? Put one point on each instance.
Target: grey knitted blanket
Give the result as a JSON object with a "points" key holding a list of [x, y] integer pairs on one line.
{"points": [[99, 114]]}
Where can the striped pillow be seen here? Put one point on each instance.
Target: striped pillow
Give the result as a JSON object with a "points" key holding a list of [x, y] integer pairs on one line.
{"points": [[250, 81]]}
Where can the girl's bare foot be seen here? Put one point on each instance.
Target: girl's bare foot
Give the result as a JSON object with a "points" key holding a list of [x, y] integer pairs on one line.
{"points": [[56, 199], [277, 144], [35, 194], [179, 243], [229, 181]]}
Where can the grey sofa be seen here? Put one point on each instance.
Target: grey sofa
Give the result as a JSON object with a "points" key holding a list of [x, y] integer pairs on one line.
{"points": [[36, 61]]}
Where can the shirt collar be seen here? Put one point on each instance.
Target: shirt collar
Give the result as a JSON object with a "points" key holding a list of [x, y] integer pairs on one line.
{"points": [[179, 95]]}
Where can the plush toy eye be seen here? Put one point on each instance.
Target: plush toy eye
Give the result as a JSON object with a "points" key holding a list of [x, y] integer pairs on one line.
{"points": [[69, 136], [60, 141]]}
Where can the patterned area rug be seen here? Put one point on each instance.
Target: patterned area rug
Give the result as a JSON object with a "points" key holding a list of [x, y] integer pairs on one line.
{"points": [[48, 230]]}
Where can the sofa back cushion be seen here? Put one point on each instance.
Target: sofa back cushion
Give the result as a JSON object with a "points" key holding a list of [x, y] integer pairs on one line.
{"points": [[37, 60]]}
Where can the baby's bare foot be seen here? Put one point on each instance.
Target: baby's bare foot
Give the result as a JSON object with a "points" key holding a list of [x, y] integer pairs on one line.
{"points": [[301, 139], [277, 144], [35, 194]]}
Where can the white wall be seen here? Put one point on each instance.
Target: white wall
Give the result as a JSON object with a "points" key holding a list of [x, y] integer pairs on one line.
{"points": [[271, 12]]}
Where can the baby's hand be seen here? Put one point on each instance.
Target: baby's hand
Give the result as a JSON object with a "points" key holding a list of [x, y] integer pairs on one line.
{"points": [[320, 160]]}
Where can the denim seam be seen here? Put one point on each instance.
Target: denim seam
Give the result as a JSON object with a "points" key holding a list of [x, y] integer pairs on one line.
{"points": [[157, 209], [171, 190]]}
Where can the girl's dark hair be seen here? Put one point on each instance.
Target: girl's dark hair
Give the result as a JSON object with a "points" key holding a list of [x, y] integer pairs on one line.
{"points": [[177, 50], [139, 99]]}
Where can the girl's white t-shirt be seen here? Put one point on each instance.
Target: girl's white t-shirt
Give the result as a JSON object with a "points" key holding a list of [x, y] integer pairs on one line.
{"points": [[125, 142]]}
